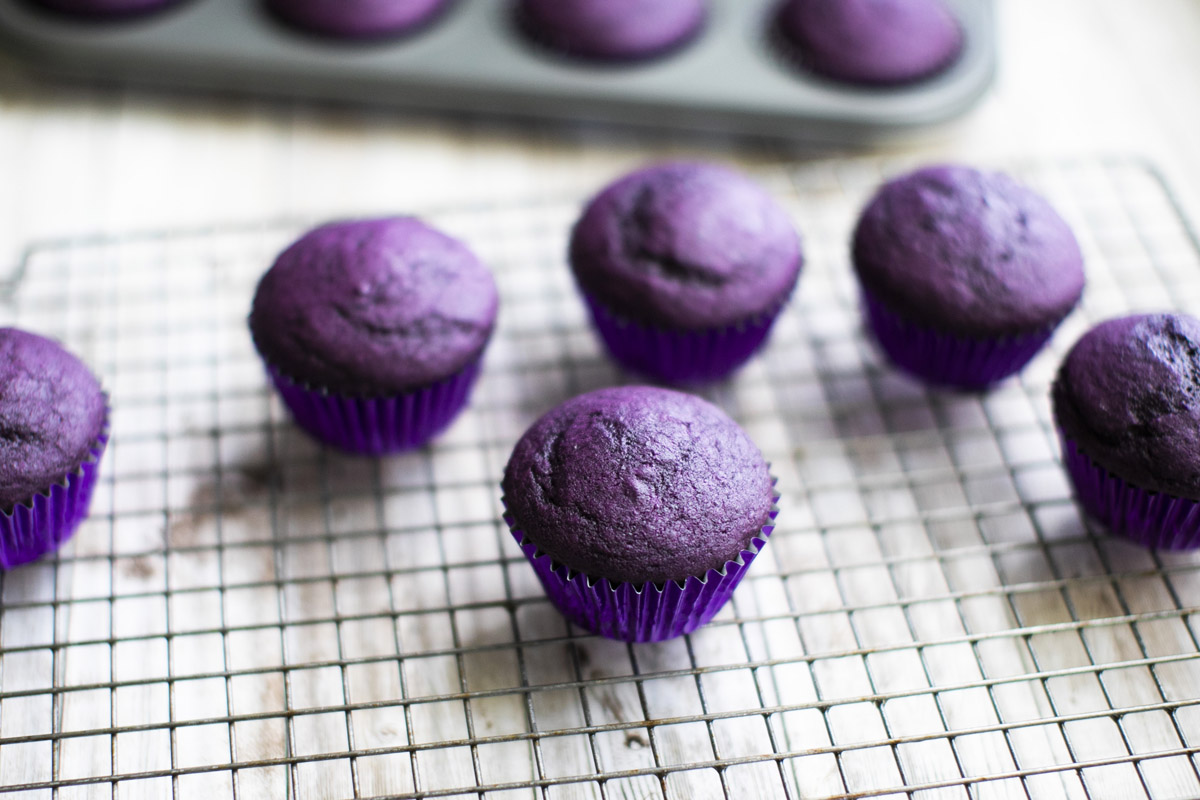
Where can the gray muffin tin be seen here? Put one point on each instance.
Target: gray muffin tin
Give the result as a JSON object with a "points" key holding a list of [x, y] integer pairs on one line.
{"points": [[472, 59]]}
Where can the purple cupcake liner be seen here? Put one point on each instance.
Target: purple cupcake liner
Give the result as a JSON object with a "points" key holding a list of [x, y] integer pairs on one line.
{"points": [[640, 612], [680, 356], [941, 358], [1153, 519], [33, 529], [377, 425]]}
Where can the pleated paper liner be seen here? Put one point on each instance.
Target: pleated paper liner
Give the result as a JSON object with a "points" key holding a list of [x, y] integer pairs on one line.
{"points": [[1153, 519], [640, 612], [377, 425], [944, 359], [680, 356], [32, 529], [131, 9]]}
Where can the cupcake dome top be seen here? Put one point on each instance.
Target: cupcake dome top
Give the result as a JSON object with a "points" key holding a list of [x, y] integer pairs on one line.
{"points": [[871, 41], [373, 307], [106, 8], [971, 253], [611, 30], [52, 411], [1128, 394], [686, 246], [638, 484]]}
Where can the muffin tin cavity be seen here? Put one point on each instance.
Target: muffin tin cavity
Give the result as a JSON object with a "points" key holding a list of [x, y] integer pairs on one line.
{"points": [[100, 10], [472, 56], [613, 31], [358, 19], [869, 42]]}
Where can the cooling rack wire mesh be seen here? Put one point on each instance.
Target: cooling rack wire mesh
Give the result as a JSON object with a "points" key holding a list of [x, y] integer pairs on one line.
{"points": [[247, 615]]}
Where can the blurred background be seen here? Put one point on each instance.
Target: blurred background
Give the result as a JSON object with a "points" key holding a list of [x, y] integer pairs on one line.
{"points": [[1075, 77]]}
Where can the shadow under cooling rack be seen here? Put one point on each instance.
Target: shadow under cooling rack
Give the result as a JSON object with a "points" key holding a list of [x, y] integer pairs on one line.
{"points": [[246, 614]]}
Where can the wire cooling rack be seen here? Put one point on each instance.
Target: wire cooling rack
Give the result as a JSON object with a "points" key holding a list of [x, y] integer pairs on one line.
{"points": [[248, 615]]}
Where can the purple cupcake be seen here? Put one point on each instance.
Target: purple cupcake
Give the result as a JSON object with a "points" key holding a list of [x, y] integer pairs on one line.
{"points": [[870, 42], [639, 508], [1127, 405], [685, 268], [100, 9], [358, 19], [964, 274], [611, 30], [53, 429], [373, 331]]}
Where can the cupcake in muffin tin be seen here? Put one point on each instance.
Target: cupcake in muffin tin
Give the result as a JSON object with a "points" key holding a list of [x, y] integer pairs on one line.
{"points": [[107, 9], [869, 42], [610, 31], [359, 19]]}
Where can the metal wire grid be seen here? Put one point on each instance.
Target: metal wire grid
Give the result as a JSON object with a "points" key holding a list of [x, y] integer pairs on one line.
{"points": [[248, 615]]}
